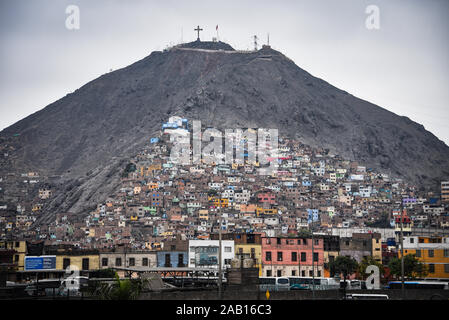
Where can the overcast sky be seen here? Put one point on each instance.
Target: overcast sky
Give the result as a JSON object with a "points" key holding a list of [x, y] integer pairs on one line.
{"points": [[403, 66]]}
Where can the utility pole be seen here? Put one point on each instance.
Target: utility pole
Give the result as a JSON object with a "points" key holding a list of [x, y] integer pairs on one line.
{"points": [[220, 289], [313, 252], [402, 252]]}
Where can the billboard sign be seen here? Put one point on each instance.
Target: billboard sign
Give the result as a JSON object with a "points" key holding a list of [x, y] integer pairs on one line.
{"points": [[40, 263]]}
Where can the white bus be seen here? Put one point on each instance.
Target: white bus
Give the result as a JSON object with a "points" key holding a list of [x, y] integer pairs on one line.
{"points": [[274, 283]]}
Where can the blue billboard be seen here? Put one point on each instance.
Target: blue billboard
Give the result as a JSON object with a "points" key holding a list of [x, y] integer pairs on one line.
{"points": [[40, 263]]}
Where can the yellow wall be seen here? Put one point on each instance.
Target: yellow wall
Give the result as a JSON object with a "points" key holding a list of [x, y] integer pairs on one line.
{"points": [[438, 260], [246, 248], [20, 252], [94, 261], [377, 254]]}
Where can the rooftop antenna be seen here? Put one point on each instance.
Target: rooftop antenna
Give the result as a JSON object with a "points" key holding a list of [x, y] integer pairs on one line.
{"points": [[268, 39], [255, 43]]}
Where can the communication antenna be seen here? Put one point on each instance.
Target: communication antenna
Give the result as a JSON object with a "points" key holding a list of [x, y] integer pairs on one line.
{"points": [[255, 43], [268, 42]]}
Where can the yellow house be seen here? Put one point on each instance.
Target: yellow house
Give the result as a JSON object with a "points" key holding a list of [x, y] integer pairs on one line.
{"points": [[377, 247], [433, 251], [252, 250], [19, 256], [203, 214], [87, 261], [260, 211]]}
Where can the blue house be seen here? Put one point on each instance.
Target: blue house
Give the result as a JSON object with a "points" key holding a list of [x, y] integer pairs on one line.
{"points": [[172, 259]]}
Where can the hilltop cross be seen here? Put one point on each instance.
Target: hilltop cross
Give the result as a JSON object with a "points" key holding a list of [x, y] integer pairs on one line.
{"points": [[198, 30]]}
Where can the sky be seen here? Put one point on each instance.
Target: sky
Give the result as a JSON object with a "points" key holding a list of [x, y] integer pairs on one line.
{"points": [[402, 65]]}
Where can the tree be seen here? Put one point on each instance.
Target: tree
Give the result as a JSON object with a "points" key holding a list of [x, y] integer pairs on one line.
{"points": [[367, 261], [413, 268], [119, 290], [343, 265]]}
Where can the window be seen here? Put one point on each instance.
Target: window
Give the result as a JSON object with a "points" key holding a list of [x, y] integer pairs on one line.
{"points": [[279, 272], [65, 263], [118, 262], [446, 253], [299, 241], [180, 260], [412, 240], [192, 261], [319, 273], [304, 242], [268, 273], [17, 244], [173, 247], [431, 254], [253, 253], [303, 273], [293, 273], [431, 268], [167, 260], [268, 241], [279, 241], [418, 253], [240, 250], [132, 262], [227, 261], [303, 256], [331, 258], [104, 262], [294, 256], [446, 268], [145, 262], [227, 249], [317, 242], [16, 258], [310, 273], [315, 256], [85, 263], [268, 255], [279, 255]]}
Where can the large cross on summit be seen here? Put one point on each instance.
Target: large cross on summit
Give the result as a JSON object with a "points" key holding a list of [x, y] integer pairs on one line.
{"points": [[198, 30]]}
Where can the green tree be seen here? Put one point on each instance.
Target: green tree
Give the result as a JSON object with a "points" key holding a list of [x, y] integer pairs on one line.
{"points": [[119, 290], [367, 261], [413, 268], [344, 266]]}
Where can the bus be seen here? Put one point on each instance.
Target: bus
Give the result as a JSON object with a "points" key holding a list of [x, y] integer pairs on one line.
{"points": [[299, 283], [274, 284], [366, 296], [353, 284], [419, 285]]}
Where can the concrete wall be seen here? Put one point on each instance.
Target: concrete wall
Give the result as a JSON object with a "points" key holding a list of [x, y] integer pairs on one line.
{"points": [[242, 294]]}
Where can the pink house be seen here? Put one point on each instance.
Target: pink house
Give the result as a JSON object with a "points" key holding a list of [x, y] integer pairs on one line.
{"points": [[285, 257], [267, 197]]}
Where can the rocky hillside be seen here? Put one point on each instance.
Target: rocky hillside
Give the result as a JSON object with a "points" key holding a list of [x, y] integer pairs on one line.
{"points": [[86, 137]]}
